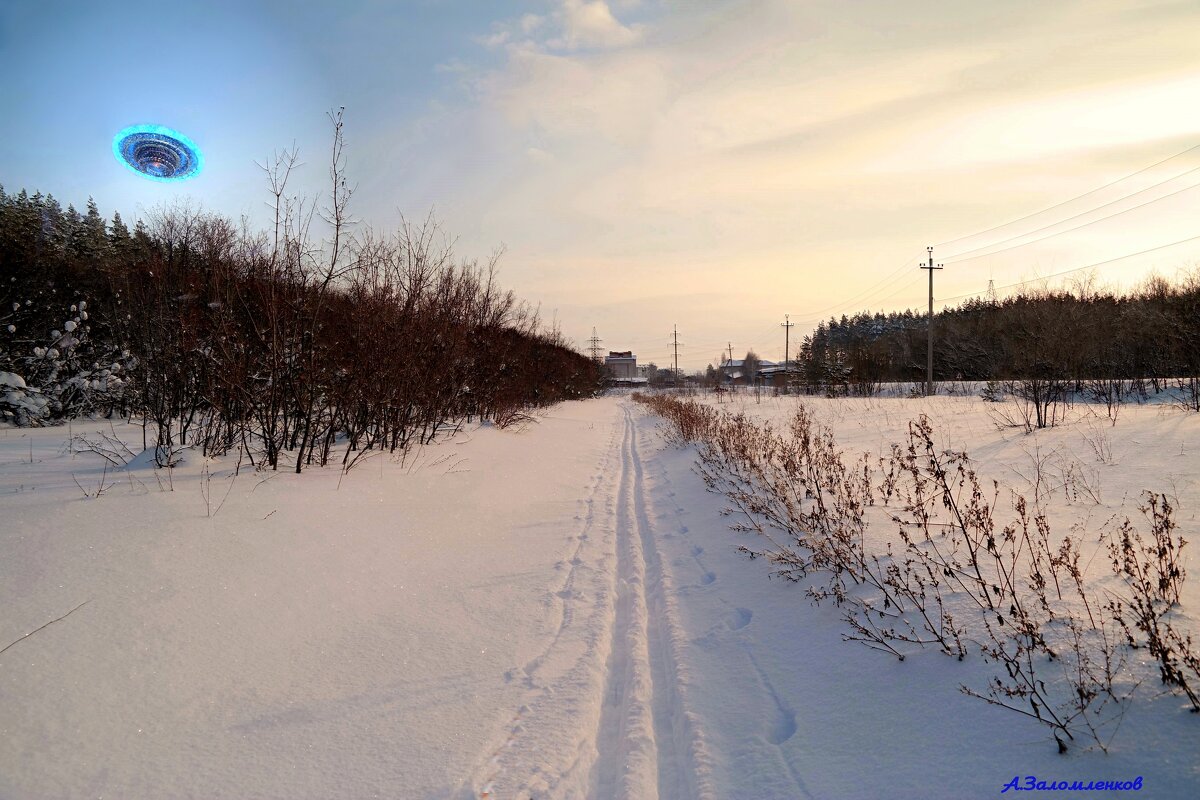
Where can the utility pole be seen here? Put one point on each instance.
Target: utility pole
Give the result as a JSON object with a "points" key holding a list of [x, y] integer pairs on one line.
{"points": [[787, 326], [929, 351], [594, 346], [731, 363], [676, 336]]}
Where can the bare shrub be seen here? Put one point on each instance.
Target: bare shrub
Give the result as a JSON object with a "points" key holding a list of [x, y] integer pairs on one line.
{"points": [[109, 447], [1058, 649], [1153, 575], [1016, 414], [1112, 392], [1100, 442]]}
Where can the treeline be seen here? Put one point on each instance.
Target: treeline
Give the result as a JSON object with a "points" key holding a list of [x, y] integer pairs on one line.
{"points": [[1141, 342], [224, 338]]}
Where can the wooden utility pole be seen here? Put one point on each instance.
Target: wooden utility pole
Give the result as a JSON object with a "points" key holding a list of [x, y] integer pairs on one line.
{"points": [[676, 337], [787, 326], [929, 350]]}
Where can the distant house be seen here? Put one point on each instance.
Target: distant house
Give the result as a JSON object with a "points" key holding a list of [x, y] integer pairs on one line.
{"points": [[622, 369], [773, 374], [733, 372]]}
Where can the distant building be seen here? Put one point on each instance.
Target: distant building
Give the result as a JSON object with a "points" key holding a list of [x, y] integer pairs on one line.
{"points": [[621, 365], [622, 369], [733, 371]]}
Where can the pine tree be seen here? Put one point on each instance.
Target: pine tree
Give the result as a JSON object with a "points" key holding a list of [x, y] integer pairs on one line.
{"points": [[93, 236], [120, 243]]}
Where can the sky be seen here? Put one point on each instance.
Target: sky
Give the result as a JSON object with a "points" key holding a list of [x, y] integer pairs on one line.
{"points": [[713, 165]]}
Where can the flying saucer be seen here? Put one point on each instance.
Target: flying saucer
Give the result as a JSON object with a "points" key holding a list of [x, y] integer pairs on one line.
{"points": [[158, 153]]}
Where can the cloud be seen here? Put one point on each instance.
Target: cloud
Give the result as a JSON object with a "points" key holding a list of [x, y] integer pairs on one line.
{"points": [[1097, 117], [454, 66], [591, 24], [500, 35], [573, 25], [570, 101], [531, 22], [803, 149]]}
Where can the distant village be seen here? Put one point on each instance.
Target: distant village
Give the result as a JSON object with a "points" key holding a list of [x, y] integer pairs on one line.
{"points": [[621, 369]]}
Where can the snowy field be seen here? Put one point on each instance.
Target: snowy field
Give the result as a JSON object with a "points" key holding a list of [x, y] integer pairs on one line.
{"points": [[552, 612]]}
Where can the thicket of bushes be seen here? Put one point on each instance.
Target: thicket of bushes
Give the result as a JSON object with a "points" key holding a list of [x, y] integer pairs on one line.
{"points": [[1136, 343], [964, 570], [227, 338]]}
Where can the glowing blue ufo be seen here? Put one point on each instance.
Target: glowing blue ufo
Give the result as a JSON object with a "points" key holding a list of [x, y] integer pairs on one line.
{"points": [[158, 153]]}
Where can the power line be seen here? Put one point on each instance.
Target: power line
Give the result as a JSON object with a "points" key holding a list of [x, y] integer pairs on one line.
{"points": [[896, 293], [901, 271], [1072, 200], [1077, 269], [905, 279], [957, 259], [901, 274]]}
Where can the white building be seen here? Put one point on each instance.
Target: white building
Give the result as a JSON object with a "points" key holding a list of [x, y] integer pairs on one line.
{"points": [[621, 366]]}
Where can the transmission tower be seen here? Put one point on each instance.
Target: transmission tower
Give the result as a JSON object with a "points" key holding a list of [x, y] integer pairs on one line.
{"points": [[594, 346]]}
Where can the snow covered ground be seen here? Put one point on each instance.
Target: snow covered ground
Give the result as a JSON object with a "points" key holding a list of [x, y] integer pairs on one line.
{"points": [[553, 612]]}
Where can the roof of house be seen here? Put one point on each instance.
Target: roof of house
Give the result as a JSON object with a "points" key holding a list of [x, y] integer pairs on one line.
{"points": [[741, 362]]}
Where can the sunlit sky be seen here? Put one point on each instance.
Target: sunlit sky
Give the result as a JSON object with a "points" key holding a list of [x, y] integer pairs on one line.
{"points": [[711, 164]]}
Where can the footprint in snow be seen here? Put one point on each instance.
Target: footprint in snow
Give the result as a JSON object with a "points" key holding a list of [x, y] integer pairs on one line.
{"points": [[741, 618], [783, 727]]}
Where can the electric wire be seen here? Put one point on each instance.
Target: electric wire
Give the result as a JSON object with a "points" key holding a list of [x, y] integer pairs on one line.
{"points": [[1072, 200], [1074, 269], [957, 259]]}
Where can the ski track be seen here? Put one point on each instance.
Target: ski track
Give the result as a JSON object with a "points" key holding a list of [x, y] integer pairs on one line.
{"points": [[686, 770], [731, 637], [606, 713]]}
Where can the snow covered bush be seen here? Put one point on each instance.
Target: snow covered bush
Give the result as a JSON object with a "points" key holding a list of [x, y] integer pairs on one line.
{"points": [[20, 404], [75, 375]]}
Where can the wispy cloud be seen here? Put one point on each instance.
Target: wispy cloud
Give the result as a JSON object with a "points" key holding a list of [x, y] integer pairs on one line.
{"points": [[570, 25], [796, 152], [591, 24]]}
